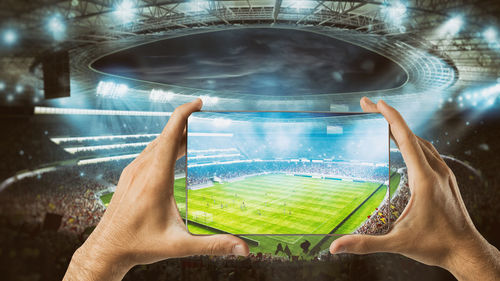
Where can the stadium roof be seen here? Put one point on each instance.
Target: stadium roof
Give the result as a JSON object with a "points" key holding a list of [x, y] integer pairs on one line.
{"points": [[406, 32]]}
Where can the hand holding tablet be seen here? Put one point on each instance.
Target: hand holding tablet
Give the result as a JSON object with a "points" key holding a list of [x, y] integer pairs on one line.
{"points": [[435, 227]]}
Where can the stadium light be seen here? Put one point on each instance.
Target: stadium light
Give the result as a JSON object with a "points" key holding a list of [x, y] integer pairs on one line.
{"points": [[103, 112], [208, 101], [221, 122], [2, 85], [9, 37], [197, 5], [56, 27], [111, 89], [106, 159], [212, 150], [160, 96], [125, 11], [19, 89], [99, 138], [202, 134], [452, 27], [394, 13], [77, 149], [483, 98], [302, 4], [214, 156], [490, 34]]}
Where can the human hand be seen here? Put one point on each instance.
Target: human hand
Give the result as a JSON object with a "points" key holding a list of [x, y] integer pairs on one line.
{"points": [[142, 223], [435, 227]]}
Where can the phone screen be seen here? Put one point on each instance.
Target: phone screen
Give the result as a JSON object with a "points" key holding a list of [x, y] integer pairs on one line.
{"points": [[286, 173]]}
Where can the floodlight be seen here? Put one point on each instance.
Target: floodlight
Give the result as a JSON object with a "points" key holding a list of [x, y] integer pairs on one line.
{"points": [[125, 11], [9, 37], [451, 27], [80, 111], [303, 4], [111, 89], [2, 86], [221, 122], [56, 27], [486, 96], [490, 34], [160, 96], [19, 89], [394, 13], [197, 5], [207, 100]]}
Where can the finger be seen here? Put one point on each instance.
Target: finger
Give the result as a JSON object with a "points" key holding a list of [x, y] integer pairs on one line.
{"points": [[167, 149], [177, 122], [436, 162], [220, 244], [408, 143], [431, 148], [367, 105], [361, 244]]}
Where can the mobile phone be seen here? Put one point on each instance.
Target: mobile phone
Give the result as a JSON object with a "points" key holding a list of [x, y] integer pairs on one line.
{"points": [[285, 173]]}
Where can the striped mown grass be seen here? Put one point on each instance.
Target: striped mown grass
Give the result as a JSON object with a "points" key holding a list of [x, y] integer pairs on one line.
{"points": [[312, 205]]}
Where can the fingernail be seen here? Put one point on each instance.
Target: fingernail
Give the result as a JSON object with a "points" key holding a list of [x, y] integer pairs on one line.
{"points": [[239, 250]]}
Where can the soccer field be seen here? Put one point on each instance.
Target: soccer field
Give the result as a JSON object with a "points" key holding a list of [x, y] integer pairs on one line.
{"points": [[312, 206], [277, 204]]}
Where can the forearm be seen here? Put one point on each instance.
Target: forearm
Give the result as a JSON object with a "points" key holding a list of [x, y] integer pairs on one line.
{"points": [[479, 261], [88, 265]]}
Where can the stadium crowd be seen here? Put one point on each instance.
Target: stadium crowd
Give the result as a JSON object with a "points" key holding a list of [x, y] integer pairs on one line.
{"points": [[67, 192], [71, 192], [204, 174], [388, 212]]}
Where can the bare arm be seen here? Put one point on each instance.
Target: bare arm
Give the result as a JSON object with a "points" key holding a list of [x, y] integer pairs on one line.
{"points": [[435, 227]]}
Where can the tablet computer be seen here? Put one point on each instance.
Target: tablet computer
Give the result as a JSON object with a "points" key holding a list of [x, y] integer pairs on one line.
{"points": [[285, 173]]}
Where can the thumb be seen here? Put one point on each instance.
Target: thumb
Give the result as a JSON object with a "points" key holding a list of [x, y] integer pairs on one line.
{"points": [[367, 105], [220, 244], [360, 244]]}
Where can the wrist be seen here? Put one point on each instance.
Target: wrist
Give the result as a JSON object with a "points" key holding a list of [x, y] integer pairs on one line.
{"points": [[92, 262], [473, 259]]}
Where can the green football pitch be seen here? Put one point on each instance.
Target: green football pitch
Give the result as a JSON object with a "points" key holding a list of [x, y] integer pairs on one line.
{"points": [[277, 203]]}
